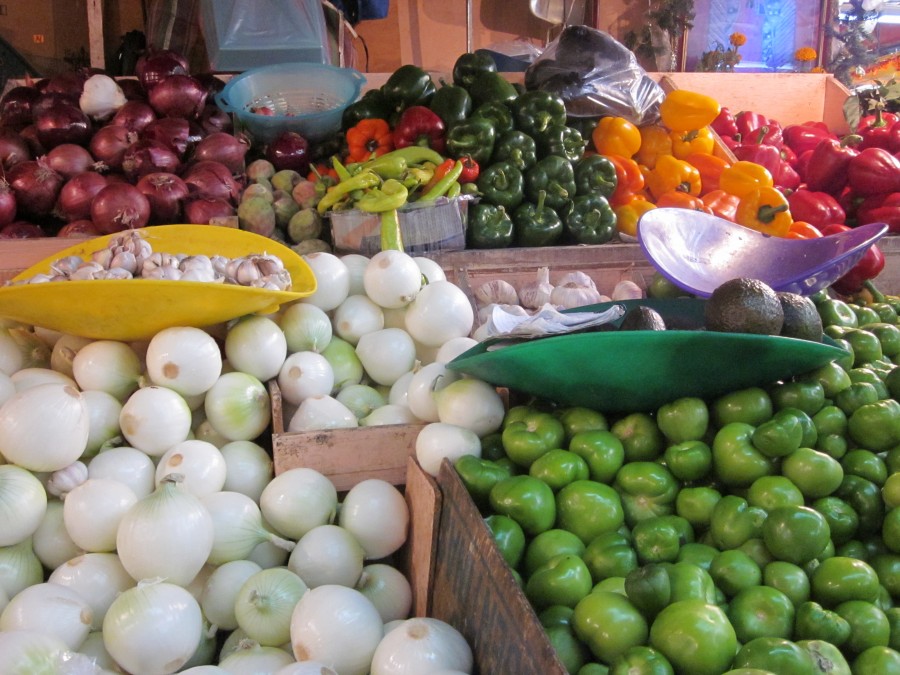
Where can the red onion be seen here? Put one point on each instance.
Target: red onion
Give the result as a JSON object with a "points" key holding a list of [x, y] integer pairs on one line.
{"points": [[118, 207], [22, 229], [109, 144], [146, 156], [132, 89], [224, 148], [36, 187], [210, 82], [29, 135], [63, 124], [77, 193], [50, 100], [289, 150], [200, 211], [156, 65], [70, 160], [7, 203], [13, 148], [211, 179], [15, 107], [213, 119], [178, 96], [171, 131], [70, 82], [166, 193], [78, 229], [134, 115]]}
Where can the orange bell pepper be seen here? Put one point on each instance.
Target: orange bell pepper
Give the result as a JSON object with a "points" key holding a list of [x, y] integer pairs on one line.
{"points": [[722, 204], [710, 168], [655, 141], [616, 136], [369, 138], [673, 174], [629, 179], [681, 200], [696, 140], [765, 210], [629, 213], [684, 110], [800, 229], [743, 178]]}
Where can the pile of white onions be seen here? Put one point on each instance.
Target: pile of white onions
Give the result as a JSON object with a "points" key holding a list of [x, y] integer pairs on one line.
{"points": [[144, 528]]}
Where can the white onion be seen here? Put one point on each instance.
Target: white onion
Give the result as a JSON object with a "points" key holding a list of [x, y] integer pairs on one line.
{"points": [[305, 374], [232, 642], [306, 328], [25, 652], [388, 589], [237, 527], [94, 649], [44, 428], [64, 351], [204, 670], [361, 399], [153, 628], [345, 364], [31, 377], [426, 381], [356, 264], [126, 465], [168, 534], [355, 317], [7, 388], [376, 514], [266, 554], [438, 440], [104, 410], [305, 668], [205, 653], [395, 317], [298, 500], [399, 392], [93, 510], [249, 468], [198, 583], [51, 542], [431, 270], [109, 366], [23, 502], [440, 312], [238, 406], [386, 354], [471, 403], [264, 604], [453, 348], [154, 419], [327, 554], [185, 359], [200, 464], [322, 621], [421, 646], [19, 568], [389, 414], [221, 590], [332, 280], [96, 577], [57, 610], [322, 412], [11, 356], [256, 345], [392, 279], [252, 659]]}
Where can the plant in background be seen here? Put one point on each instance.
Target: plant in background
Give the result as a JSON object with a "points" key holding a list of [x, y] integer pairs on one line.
{"points": [[722, 59], [657, 38], [805, 56], [852, 28]]}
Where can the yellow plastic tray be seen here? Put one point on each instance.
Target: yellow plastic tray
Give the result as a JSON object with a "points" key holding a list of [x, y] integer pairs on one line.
{"points": [[134, 309]]}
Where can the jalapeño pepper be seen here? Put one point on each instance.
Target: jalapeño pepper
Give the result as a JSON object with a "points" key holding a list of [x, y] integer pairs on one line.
{"points": [[555, 177], [558, 139], [590, 220], [489, 226], [502, 184], [537, 224], [473, 137], [536, 110], [517, 147], [595, 174]]}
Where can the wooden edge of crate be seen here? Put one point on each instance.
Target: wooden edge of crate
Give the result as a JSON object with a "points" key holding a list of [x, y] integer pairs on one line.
{"points": [[424, 499], [475, 591]]}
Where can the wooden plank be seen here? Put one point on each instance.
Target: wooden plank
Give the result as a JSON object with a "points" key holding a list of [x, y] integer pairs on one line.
{"points": [[95, 33], [424, 500]]}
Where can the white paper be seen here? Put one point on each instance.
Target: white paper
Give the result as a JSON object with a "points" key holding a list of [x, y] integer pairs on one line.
{"points": [[546, 321]]}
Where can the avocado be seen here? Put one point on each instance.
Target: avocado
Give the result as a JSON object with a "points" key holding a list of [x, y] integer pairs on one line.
{"points": [[642, 318], [744, 305], [801, 319]]}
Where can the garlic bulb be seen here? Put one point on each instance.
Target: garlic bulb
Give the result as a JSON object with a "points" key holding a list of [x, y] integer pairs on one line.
{"points": [[627, 290], [577, 278], [571, 294], [496, 292], [485, 312], [63, 481], [536, 293]]}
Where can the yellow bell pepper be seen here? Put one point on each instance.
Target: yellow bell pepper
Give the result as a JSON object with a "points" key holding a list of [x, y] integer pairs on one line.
{"points": [[685, 143], [673, 174], [616, 136], [765, 210], [743, 178], [655, 141], [628, 215], [684, 110]]}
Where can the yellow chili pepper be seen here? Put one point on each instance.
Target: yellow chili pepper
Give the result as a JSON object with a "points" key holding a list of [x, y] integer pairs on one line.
{"points": [[627, 215], [655, 141], [673, 174], [684, 110], [616, 136], [743, 178], [685, 143], [765, 210]]}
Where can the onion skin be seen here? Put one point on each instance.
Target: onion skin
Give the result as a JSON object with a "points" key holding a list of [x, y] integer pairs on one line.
{"points": [[224, 148], [69, 159], [13, 148], [171, 131], [109, 144], [76, 195], [212, 180], [36, 187], [16, 107], [118, 207], [63, 124], [7, 204], [166, 193], [201, 211], [78, 229], [22, 229], [135, 115], [178, 96], [289, 150], [157, 64], [146, 156]]}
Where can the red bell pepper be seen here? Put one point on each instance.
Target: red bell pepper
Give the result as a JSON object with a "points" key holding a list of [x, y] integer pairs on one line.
{"points": [[788, 155], [816, 208], [883, 208], [874, 171], [756, 128], [894, 140], [879, 118], [867, 268], [419, 125], [724, 124], [806, 136], [787, 179], [765, 155], [828, 165]]}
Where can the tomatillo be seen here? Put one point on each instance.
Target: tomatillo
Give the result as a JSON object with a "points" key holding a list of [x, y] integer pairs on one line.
{"points": [[610, 624], [695, 636], [588, 509], [526, 500]]}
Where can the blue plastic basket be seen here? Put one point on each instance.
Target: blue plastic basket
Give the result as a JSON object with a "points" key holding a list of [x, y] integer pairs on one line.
{"points": [[308, 98]]}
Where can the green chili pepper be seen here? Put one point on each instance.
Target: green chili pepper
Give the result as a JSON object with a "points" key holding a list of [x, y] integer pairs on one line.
{"points": [[536, 110], [391, 238], [473, 137], [558, 139], [501, 184], [537, 224], [334, 194], [440, 188], [489, 226], [391, 195], [387, 165], [340, 169], [517, 147], [454, 190], [590, 220], [411, 154], [498, 114], [595, 174], [554, 176]]}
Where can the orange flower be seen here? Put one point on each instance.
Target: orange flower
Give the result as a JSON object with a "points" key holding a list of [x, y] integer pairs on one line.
{"points": [[806, 54], [737, 39]]}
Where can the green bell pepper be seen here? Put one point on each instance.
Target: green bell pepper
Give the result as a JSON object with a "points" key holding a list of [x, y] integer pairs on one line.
{"points": [[468, 64], [516, 147], [489, 226], [554, 176], [498, 114], [472, 137], [490, 86], [407, 86], [590, 220], [372, 105], [537, 110], [502, 184], [558, 139], [595, 174], [452, 104], [537, 224]]}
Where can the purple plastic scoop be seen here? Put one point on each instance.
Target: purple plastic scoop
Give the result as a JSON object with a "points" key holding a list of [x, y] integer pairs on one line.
{"points": [[698, 251]]}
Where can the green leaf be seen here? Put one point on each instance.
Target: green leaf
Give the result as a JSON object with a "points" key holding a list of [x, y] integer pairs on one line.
{"points": [[851, 111]]}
